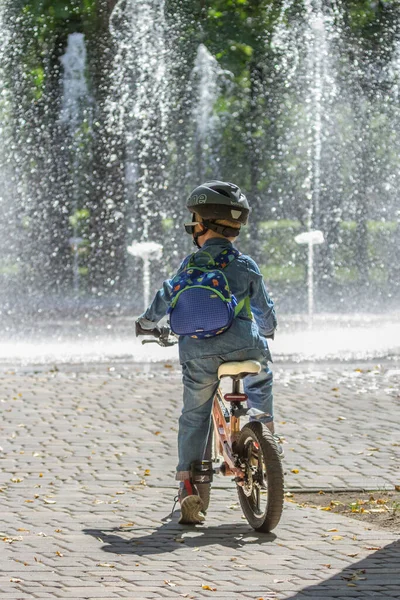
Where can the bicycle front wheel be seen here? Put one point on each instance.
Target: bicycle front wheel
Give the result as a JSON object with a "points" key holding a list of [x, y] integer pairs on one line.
{"points": [[261, 496]]}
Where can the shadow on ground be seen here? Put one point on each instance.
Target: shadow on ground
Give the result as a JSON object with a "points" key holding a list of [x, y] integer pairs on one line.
{"points": [[171, 536], [377, 576]]}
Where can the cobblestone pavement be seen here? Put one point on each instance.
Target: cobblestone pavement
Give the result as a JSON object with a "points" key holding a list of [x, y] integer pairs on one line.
{"points": [[86, 488]]}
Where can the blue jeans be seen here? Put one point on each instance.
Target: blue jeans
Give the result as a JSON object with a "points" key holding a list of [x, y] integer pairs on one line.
{"points": [[200, 381]]}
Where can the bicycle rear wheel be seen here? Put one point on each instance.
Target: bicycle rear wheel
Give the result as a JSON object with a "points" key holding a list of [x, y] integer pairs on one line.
{"points": [[261, 496]]}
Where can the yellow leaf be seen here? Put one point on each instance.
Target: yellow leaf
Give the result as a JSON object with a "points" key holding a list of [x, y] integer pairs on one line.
{"points": [[208, 587], [295, 471], [126, 525], [341, 419], [351, 585], [147, 472], [333, 529], [59, 553], [157, 432], [325, 508], [105, 565], [337, 537]]}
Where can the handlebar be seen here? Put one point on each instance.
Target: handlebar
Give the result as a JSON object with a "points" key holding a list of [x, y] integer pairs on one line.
{"points": [[163, 336]]}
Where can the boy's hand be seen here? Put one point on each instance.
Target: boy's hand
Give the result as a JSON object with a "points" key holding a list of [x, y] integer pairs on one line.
{"points": [[146, 327]]}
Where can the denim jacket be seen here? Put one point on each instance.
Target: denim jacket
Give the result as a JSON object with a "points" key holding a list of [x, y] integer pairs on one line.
{"points": [[245, 280]]}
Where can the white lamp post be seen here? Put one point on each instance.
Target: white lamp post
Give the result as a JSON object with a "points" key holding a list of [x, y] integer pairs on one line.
{"points": [[311, 238], [147, 251]]}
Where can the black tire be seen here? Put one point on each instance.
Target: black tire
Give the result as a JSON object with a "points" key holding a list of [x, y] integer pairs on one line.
{"points": [[262, 495]]}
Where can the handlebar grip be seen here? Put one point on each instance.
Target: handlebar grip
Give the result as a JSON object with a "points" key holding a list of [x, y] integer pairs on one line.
{"points": [[141, 331]]}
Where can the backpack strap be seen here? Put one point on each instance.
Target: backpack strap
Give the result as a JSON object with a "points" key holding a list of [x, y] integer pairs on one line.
{"points": [[245, 303], [225, 257]]}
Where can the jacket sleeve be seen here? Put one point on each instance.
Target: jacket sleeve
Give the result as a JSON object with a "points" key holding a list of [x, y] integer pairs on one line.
{"points": [[262, 305]]}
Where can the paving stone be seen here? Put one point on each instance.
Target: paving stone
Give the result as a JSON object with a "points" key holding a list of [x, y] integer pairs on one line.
{"points": [[91, 434]]}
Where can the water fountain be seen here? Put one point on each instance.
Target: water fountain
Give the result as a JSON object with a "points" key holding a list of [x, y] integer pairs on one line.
{"points": [[8, 233], [138, 105], [147, 251], [75, 116], [206, 79], [141, 98]]}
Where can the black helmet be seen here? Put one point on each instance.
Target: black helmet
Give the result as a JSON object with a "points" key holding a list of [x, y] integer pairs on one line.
{"points": [[219, 200]]}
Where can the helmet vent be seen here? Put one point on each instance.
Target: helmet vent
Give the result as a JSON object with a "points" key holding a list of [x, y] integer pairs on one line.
{"points": [[221, 191]]}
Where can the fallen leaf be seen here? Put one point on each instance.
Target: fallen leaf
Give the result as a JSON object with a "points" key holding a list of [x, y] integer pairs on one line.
{"points": [[126, 525], [397, 488], [180, 540], [373, 547], [279, 581], [341, 419], [147, 472], [59, 553], [157, 432], [168, 582], [295, 471], [333, 529], [353, 555], [337, 537], [208, 587], [105, 565], [15, 580], [47, 501], [328, 566]]}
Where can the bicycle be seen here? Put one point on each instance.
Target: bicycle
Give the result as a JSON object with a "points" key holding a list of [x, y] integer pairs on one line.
{"points": [[249, 454]]}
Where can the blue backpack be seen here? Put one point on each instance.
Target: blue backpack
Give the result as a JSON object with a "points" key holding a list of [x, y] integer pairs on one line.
{"points": [[202, 305]]}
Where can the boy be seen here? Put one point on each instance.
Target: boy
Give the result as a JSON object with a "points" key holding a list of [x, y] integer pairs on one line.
{"points": [[218, 211]]}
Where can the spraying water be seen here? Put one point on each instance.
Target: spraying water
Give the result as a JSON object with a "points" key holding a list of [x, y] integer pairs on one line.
{"points": [[75, 116], [7, 206], [138, 104], [206, 82]]}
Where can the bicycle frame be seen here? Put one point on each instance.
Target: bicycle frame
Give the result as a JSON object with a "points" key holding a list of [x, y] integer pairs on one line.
{"points": [[225, 432]]}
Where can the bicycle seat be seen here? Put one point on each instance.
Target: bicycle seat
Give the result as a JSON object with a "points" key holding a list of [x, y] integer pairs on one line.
{"points": [[239, 369]]}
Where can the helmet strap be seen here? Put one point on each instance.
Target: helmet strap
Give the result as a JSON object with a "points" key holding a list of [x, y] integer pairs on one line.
{"points": [[198, 235], [222, 229]]}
